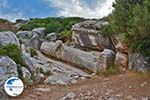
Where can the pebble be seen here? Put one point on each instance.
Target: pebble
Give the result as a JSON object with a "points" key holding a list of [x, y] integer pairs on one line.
{"points": [[143, 84], [69, 96], [130, 87], [119, 95], [83, 78], [106, 79], [73, 81], [43, 89], [145, 98], [130, 97]]}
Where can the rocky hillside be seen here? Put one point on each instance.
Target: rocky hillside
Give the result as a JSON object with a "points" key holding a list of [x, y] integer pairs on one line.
{"points": [[59, 25], [64, 51], [5, 25], [36, 56]]}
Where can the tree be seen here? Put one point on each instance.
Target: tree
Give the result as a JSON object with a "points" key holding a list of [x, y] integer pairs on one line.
{"points": [[131, 20]]}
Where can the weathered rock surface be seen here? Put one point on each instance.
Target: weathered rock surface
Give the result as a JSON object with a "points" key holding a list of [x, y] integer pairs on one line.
{"points": [[37, 38], [119, 46], [8, 68], [69, 96], [27, 77], [106, 59], [87, 35], [61, 73], [24, 34], [32, 38], [138, 62], [70, 55], [31, 66], [51, 37], [121, 60], [7, 38], [39, 31], [90, 24], [58, 79], [25, 37]]}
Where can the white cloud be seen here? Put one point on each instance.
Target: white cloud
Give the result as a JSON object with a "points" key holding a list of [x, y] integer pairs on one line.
{"points": [[12, 16], [83, 8]]}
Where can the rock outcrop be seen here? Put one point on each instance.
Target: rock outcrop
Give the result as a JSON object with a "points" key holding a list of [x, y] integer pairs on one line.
{"points": [[31, 66], [24, 34], [26, 75], [118, 44], [8, 68], [7, 38], [70, 55], [87, 35], [51, 37], [25, 37], [121, 59], [32, 38], [138, 62], [37, 38], [106, 59], [59, 72]]}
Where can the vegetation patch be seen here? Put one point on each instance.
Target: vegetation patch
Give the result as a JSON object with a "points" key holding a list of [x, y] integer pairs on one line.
{"points": [[12, 51], [33, 52], [6, 25], [130, 19], [62, 26], [113, 70]]}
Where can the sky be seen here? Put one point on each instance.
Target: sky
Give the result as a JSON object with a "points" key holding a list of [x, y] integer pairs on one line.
{"points": [[25, 9]]}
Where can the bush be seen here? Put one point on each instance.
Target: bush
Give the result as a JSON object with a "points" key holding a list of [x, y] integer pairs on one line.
{"points": [[131, 20], [62, 26], [33, 52], [12, 51]]}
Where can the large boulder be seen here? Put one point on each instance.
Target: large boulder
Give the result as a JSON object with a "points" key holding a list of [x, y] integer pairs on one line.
{"points": [[36, 41], [51, 37], [25, 37], [60, 72], [59, 79], [32, 38], [87, 35], [121, 59], [138, 62], [8, 68], [32, 67], [76, 57], [37, 38], [119, 45], [26, 75], [39, 31], [7, 38], [24, 34], [106, 59]]}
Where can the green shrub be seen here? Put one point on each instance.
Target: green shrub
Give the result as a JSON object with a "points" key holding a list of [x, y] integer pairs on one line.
{"points": [[62, 26], [45, 73], [33, 52], [65, 35], [12, 51], [4, 21], [131, 20]]}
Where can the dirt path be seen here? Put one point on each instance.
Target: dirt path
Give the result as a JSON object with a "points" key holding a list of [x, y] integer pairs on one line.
{"points": [[127, 86]]}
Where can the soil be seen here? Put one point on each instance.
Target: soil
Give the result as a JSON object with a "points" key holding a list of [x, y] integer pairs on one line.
{"points": [[125, 86]]}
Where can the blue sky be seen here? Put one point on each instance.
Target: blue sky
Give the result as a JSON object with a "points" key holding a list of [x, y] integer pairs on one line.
{"points": [[16, 9]]}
